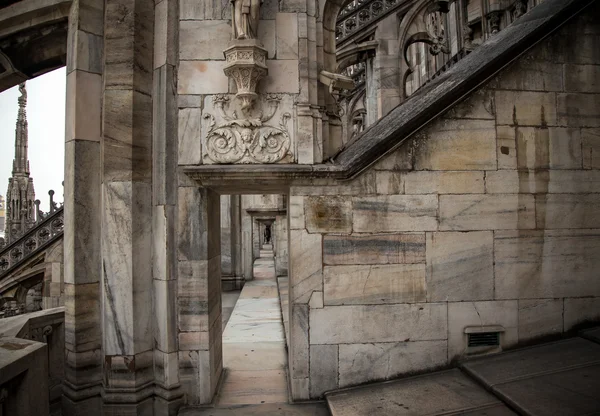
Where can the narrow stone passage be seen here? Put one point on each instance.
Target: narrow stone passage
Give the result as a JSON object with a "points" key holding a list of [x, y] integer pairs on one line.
{"points": [[254, 354]]}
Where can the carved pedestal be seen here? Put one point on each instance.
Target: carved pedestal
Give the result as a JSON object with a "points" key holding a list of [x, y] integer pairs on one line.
{"points": [[246, 66]]}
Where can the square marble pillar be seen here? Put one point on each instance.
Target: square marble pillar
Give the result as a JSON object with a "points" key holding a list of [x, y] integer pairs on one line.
{"points": [[128, 186], [281, 245], [226, 235], [246, 245], [231, 267], [199, 293], [256, 239], [82, 229], [236, 236]]}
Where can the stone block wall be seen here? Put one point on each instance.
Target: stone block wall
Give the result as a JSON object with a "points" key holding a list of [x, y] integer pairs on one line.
{"points": [[488, 216]]}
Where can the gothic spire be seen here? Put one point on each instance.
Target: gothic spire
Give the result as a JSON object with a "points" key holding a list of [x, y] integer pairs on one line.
{"points": [[21, 162], [20, 197]]}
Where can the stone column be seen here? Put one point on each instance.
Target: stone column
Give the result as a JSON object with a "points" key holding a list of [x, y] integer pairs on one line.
{"points": [[280, 233], [305, 271], [236, 238], [331, 128], [226, 269], [199, 297], [386, 64], [53, 293], [247, 239], [256, 239], [168, 394], [128, 339], [231, 267], [82, 235], [310, 145]]}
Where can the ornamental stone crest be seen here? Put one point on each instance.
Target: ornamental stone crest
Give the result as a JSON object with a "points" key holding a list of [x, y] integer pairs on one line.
{"points": [[248, 139]]}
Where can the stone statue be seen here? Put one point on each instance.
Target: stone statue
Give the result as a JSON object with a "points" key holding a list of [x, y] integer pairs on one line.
{"points": [[245, 18], [23, 98]]}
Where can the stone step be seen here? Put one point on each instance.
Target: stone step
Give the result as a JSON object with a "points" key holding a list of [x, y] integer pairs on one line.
{"points": [[443, 393], [592, 334], [559, 378]]}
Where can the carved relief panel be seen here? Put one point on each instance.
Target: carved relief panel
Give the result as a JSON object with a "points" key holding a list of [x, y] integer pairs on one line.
{"points": [[236, 134]]}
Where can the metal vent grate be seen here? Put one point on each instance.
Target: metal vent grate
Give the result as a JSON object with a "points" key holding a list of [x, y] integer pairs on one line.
{"points": [[484, 339]]}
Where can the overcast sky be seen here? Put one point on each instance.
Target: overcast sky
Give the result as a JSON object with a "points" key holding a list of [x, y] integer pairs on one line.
{"points": [[46, 117]]}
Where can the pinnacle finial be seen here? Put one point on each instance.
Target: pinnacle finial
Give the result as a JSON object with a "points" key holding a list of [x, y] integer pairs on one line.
{"points": [[23, 97]]}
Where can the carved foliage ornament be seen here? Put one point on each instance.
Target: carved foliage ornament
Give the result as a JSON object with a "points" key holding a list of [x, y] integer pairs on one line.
{"points": [[249, 139]]}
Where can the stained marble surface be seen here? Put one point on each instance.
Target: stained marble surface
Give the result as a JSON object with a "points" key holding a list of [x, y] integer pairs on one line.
{"points": [[254, 355]]}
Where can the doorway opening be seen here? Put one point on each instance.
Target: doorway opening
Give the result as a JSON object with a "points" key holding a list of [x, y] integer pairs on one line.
{"points": [[254, 299]]}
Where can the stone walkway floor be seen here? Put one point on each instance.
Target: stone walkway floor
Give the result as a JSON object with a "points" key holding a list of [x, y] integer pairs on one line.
{"points": [[254, 352]]}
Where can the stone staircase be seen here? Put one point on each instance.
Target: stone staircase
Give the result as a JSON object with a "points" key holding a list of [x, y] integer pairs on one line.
{"points": [[559, 378]]}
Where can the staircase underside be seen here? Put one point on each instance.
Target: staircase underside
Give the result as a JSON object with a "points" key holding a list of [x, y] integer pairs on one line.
{"points": [[558, 378]]}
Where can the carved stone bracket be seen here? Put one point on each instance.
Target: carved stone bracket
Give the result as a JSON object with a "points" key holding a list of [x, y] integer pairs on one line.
{"points": [[248, 139], [246, 65]]}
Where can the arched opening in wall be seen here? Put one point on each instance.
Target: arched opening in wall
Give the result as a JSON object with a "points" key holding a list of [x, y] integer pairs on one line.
{"points": [[32, 127], [362, 48], [254, 299], [433, 38]]}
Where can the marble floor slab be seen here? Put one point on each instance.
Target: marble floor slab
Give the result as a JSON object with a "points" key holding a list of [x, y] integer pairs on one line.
{"points": [[278, 409], [257, 292], [253, 387], [254, 354]]}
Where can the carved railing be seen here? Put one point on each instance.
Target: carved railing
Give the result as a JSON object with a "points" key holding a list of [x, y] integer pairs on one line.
{"points": [[358, 14], [48, 230]]}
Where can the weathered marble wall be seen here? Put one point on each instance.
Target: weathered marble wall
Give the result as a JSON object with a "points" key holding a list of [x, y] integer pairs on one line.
{"points": [[489, 216]]}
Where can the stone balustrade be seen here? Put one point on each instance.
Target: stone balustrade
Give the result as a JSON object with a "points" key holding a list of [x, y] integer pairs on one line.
{"points": [[33, 344], [23, 377], [44, 233]]}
